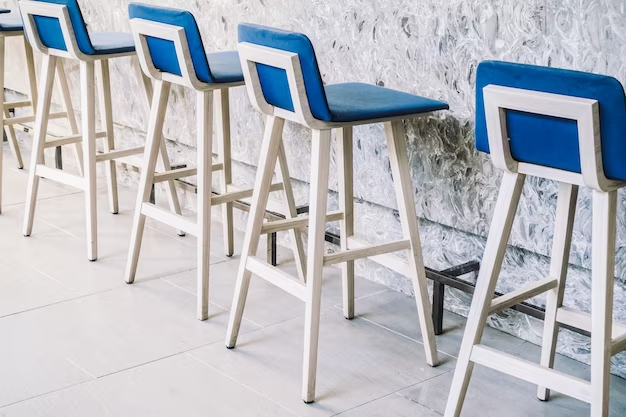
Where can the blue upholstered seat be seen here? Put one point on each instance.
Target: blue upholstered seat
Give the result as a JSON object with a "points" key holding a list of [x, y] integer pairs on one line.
{"points": [[348, 102], [215, 67], [11, 22], [112, 42], [550, 141], [103, 43], [351, 102]]}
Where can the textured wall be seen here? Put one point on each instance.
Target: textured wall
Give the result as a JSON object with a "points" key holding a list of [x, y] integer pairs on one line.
{"points": [[431, 48]]}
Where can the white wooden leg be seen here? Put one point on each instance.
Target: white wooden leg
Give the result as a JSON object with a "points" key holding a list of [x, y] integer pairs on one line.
{"points": [[205, 169], [164, 161], [153, 139], [267, 162], [12, 139], [39, 138], [88, 98], [504, 214], [602, 281], [32, 74], [106, 115], [222, 104], [320, 167], [71, 115], [1, 113], [396, 144], [282, 173], [346, 205], [565, 212]]}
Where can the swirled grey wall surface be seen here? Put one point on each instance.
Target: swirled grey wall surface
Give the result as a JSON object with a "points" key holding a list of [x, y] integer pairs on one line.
{"points": [[426, 47]]}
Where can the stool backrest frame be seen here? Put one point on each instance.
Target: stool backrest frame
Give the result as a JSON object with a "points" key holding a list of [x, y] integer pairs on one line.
{"points": [[499, 99], [31, 9], [142, 29]]}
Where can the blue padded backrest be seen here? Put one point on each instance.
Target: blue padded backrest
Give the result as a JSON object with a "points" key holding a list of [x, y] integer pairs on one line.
{"points": [[162, 51], [551, 141], [274, 80], [49, 29]]}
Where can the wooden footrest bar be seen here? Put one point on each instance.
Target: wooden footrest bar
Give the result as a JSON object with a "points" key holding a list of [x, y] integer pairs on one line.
{"points": [[299, 223], [174, 174], [366, 252], [176, 221], [60, 176], [30, 119], [509, 300], [235, 193], [532, 372], [581, 320], [17, 104], [68, 140], [107, 156], [388, 260], [277, 277]]}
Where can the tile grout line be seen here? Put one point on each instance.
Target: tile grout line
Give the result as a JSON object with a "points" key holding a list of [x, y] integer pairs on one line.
{"points": [[93, 377], [242, 384]]}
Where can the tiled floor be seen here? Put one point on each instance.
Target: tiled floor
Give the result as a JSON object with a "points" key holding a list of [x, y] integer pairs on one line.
{"points": [[75, 340]]}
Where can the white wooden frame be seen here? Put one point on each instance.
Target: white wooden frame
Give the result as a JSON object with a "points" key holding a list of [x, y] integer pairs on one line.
{"points": [[607, 338], [310, 292], [205, 92], [87, 155], [30, 9]]}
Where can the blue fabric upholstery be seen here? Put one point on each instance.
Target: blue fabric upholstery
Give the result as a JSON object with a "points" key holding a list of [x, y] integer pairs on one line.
{"points": [[274, 80], [50, 33], [11, 22], [112, 42], [163, 52], [225, 66], [351, 102], [550, 141]]}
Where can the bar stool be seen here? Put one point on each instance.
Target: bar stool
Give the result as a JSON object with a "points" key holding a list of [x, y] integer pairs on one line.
{"points": [[569, 127], [284, 83], [11, 26], [56, 29], [171, 51]]}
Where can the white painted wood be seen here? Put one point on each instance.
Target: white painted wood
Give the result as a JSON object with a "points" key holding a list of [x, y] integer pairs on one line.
{"points": [[515, 297], [28, 119], [106, 122], [559, 259], [62, 177], [320, 167], [504, 214], [169, 218], [153, 138], [276, 277], [581, 320], [8, 128], [88, 105], [69, 140], [297, 223], [498, 99], [395, 135], [602, 282], [235, 193], [282, 173], [30, 9], [175, 174], [346, 205], [388, 260], [222, 110], [118, 154], [17, 104], [204, 145], [68, 108], [163, 164], [41, 127], [366, 252], [267, 162], [531, 372], [2, 114]]}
